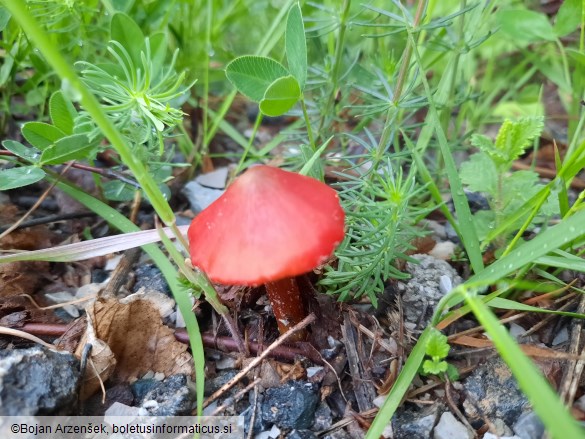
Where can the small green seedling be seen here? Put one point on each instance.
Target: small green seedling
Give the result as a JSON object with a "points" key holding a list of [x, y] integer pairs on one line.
{"points": [[488, 171], [437, 349]]}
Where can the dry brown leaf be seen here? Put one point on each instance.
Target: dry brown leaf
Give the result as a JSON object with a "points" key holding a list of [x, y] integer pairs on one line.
{"points": [[137, 338], [22, 277]]}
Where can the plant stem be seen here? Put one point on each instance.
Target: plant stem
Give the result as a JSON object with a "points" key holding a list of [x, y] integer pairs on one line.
{"points": [[388, 125], [249, 144], [208, 25], [308, 122], [327, 114]]}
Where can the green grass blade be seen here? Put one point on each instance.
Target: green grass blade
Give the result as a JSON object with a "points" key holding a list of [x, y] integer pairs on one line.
{"points": [[184, 304], [548, 241], [466, 225], [501, 303], [400, 387], [119, 221], [545, 401]]}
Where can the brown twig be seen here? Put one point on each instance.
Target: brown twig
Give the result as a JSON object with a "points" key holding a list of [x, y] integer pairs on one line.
{"points": [[47, 220], [363, 389], [120, 274], [22, 334], [292, 331], [101, 171], [210, 340], [454, 407], [230, 401], [574, 368]]}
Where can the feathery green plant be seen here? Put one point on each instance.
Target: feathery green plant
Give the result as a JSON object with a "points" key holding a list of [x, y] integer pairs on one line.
{"points": [[488, 171]]}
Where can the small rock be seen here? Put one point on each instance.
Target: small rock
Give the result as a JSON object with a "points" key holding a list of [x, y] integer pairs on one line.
{"points": [[529, 426], [119, 409], [561, 337], [119, 394], [63, 297], [273, 433], [151, 278], [213, 180], [170, 397], [449, 427], [144, 385], [451, 234], [291, 405], [516, 331], [422, 292], [501, 428], [489, 435], [37, 381], [323, 417], [415, 424], [149, 375], [492, 391], [213, 384], [437, 229], [226, 362], [301, 434], [580, 403], [259, 423], [443, 250], [112, 262], [313, 370], [269, 377], [200, 197], [337, 434]]}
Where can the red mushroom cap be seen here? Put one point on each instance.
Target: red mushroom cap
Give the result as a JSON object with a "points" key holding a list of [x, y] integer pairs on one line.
{"points": [[269, 224]]}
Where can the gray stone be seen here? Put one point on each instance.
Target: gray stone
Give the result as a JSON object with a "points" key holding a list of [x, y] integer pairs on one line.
{"points": [[580, 403], [170, 397], [213, 180], [259, 423], [422, 292], [213, 384], [337, 434], [501, 429], [529, 426], [449, 428], [415, 424], [151, 278], [301, 434], [200, 197], [323, 417], [291, 405], [492, 391], [489, 435], [37, 381], [561, 337]]}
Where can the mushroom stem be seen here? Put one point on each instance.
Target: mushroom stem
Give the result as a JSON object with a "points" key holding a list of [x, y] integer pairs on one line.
{"points": [[287, 305]]}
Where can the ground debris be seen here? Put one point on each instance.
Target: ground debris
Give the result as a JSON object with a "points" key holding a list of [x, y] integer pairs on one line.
{"points": [[138, 341]]}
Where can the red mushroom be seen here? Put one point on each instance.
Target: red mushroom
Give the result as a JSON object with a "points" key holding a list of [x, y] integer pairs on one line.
{"points": [[268, 227]]}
